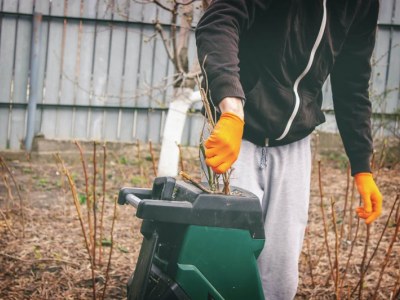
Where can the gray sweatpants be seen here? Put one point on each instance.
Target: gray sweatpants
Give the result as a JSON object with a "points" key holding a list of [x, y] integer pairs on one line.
{"points": [[280, 177]]}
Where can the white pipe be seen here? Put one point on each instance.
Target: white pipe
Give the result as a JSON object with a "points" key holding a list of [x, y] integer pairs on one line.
{"points": [[172, 137]]}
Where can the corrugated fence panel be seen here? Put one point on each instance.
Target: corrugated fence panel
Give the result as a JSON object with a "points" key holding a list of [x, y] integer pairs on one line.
{"points": [[7, 57], [132, 45], [69, 80], [42, 7], [393, 96], [381, 58], [101, 55], [385, 76], [53, 70], [143, 86], [21, 71], [115, 72], [105, 73], [86, 49], [160, 70]]}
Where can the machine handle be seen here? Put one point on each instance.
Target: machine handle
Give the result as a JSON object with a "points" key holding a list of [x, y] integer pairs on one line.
{"points": [[133, 200]]}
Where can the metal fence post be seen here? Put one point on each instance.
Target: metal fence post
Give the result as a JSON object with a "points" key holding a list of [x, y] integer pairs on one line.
{"points": [[33, 80]]}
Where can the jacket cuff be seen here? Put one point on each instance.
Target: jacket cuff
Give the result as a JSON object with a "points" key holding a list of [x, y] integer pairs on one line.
{"points": [[360, 164], [225, 86]]}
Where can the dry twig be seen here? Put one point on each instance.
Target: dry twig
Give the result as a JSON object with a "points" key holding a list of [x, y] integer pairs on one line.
{"points": [[6, 222], [324, 220], [181, 157], [21, 207], [336, 249], [362, 267], [78, 210], [380, 240], [94, 205], [388, 252], [153, 159], [111, 247], [309, 260], [88, 200], [195, 183], [103, 200], [38, 261]]}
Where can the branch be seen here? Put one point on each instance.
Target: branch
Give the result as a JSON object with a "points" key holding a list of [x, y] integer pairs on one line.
{"points": [[36, 261], [5, 166], [163, 6], [176, 59], [111, 249], [380, 239], [6, 222], [195, 183], [184, 4], [324, 220], [388, 252], [160, 30]]}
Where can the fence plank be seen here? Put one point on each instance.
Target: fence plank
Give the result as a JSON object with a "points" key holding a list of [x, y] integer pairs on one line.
{"points": [[327, 102], [10, 5], [149, 13], [57, 7], [135, 11], [21, 71], [154, 126], [86, 46], [42, 6], [26, 6], [121, 10], [4, 128], [144, 80], [196, 127], [114, 82], [396, 17], [100, 69], [392, 99], [69, 80], [386, 11], [159, 73], [7, 57], [129, 89], [192, 50], [89, 9], [53, 69], [163, 15], [380, 65]]}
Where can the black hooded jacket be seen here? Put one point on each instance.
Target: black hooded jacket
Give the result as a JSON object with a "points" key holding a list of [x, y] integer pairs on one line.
{"points": [[277, 54]]}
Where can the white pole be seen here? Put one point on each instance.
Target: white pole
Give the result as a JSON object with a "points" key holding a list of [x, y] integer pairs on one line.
{"points": [[174, 124]]}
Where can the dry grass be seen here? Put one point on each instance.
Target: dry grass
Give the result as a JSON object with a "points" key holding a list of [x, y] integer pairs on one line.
{"points": [[51, 261]]}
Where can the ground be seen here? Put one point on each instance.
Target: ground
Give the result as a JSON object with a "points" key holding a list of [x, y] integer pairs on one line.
{"points": [[43, 253]]}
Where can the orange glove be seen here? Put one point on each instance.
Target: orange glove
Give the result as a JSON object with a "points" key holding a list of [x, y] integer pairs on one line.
{"points": [[371, 197], [223, 145]]}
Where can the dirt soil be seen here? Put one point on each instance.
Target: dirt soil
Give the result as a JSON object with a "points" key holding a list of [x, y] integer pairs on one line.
{"points": [[43, 253]]}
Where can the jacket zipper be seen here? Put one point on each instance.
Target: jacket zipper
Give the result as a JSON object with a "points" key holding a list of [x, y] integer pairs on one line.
{"points": [[304, 73]]}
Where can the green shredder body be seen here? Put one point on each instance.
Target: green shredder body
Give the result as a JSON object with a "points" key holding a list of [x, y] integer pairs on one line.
{"points": [[196, 245]]}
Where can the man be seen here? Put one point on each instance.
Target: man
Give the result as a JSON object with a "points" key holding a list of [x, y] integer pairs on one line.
{"points": [[266, 62]]}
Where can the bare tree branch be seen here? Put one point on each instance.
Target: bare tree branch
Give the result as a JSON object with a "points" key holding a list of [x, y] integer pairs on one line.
{"points": [[161, 31], [163, 6]]}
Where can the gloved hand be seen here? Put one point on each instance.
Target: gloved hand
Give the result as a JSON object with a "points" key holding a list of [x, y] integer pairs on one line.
{"points": [[223, 145], [371, 197]]}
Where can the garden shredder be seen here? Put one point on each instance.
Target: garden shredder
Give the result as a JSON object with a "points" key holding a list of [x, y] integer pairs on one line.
{"points": [[196, 245]]}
